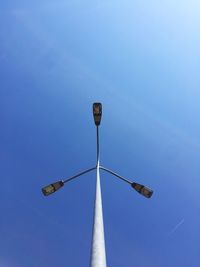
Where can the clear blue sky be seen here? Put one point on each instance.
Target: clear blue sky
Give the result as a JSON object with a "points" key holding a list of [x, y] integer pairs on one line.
{"points": [[141, 59]]}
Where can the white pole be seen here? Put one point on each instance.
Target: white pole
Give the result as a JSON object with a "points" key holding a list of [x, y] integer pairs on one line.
{"points": [[98, 254]]}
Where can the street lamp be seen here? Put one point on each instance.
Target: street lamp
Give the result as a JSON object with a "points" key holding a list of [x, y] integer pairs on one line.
{"points": [[143, 190], [97, 113], [51, 188], [98, 252]]}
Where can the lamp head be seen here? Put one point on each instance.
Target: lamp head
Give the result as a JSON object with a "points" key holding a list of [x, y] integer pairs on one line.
{"points": [[51, 188], [143, 190], [97, 113]]}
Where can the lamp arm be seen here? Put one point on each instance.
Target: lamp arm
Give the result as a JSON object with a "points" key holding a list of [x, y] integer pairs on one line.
{"points": [[115, 174], [79, 174]]}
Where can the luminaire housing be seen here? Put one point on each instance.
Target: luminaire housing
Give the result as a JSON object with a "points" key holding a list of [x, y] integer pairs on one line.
{"points": [[97, 113], [143, 190], [51, 188]]}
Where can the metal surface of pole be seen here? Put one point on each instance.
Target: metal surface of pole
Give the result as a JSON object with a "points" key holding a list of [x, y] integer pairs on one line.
{"points": [[98, 253]]}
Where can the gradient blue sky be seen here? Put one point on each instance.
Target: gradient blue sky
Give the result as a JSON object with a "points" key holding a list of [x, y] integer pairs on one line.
{"points": [[141, 59]]}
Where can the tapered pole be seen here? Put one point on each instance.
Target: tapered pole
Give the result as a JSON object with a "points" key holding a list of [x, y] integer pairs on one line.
{"points": [[98, 254]]}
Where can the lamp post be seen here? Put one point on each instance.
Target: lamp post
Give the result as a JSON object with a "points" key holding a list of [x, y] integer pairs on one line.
{"points": [[98, 252]]}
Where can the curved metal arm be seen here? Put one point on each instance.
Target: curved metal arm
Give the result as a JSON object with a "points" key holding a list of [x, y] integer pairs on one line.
{"points": [[79, 174], [115, 174], [51, 188], [143, 190]]}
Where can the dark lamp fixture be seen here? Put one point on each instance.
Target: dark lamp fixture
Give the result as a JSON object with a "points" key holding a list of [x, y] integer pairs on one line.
{"points": [[97, 113], [50, 189], [143, 190]]}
